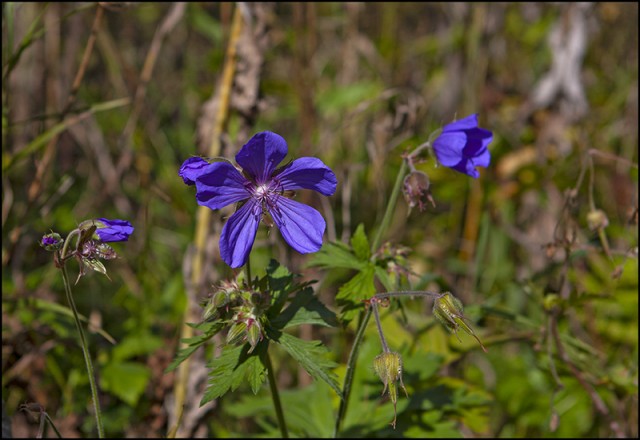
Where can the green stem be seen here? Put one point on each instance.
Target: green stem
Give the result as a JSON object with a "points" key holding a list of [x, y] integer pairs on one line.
{"points": [[364, 320], [391, 205], [376, 315], [248, 273], [85, 352], [275, 396], [351, 367], [52, 425]]}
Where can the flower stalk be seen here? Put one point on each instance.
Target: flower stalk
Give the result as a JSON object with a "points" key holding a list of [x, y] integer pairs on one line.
{"points": [[83, 341], [275, 396], [366, 315]]}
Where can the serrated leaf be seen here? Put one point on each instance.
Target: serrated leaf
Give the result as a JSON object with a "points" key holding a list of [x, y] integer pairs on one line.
{"points": [[357, 289], [385, 279], [310, 354], [231, 368], [278, 282], [209, 328], [336, 255], [360, 243], [256, 372], [305, 308]]}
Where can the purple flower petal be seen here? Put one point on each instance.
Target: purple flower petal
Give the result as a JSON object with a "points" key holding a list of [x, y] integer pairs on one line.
{"points": [[113, 230], [448, 148], [470, 121], [220, 185], [467, 167], [239, 232], [308, 173], [261, 155], [482, 159], [300, 225], [463, 146], [191, 169]]}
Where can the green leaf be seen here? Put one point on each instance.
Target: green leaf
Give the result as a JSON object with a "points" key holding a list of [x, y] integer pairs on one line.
{"points": [[346, 97], [305, 308], [126, 380], [336, 255], [8, 160], [360, 243], [256, 371], [387, 281], [209, 328], [66, 311], [231, 368], [136, 345], [310, 354], [359, 288], [278, 282]]}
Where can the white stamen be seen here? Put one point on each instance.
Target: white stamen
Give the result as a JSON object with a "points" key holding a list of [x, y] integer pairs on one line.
{"points": [[261, 191]]}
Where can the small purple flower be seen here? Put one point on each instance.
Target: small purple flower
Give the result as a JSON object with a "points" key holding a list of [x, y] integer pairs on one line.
{"points": [[113, 230], [462, 145], [263, 191], [52, 241]]}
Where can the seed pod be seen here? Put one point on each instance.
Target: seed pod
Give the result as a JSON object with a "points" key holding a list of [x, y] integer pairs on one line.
{"points": [[448, 310]]}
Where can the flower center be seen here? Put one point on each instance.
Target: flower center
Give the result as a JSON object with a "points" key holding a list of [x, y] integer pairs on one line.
{"points": [[262, 192]]}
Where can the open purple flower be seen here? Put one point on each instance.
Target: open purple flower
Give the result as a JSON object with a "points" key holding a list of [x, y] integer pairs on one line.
{"points": [[263, 189], [113, 230], [462, 145]]}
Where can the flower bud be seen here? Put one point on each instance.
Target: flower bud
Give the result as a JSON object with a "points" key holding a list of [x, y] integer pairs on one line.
{"points": [[388, 367], [254, 334], [52, 241], [416, 190], [597, 219], [448, 310], [209, 310], [237, 333]]}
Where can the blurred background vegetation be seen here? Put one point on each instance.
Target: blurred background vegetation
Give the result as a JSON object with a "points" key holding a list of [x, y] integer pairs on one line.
{"points": [[102, 102]]}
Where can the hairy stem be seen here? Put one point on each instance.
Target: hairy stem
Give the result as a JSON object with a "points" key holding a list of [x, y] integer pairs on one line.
{"points": [[386, 220], [351, 367], [376, 315], [85, 352], [275, 396], [364, 317]]}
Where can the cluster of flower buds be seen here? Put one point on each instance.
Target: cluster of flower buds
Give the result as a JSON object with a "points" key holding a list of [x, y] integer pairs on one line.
{"points": [[394, 257], [239, 308]]}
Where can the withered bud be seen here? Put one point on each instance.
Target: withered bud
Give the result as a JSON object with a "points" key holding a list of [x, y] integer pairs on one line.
{"points": [[416, 190]]}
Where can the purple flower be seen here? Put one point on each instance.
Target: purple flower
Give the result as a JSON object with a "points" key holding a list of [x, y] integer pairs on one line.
{"points": [[113, 230], [263, 191], [462, 145], [52, 241]]}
